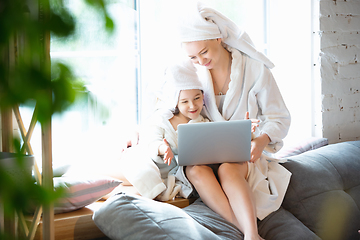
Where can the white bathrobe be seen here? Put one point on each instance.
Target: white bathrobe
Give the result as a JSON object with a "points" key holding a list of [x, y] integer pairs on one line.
{"points": [[158, 128], [253, 89], [146, 170]]}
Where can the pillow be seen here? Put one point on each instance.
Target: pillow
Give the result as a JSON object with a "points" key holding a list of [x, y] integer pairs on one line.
{"points": [[212, 221], [82, 190], [303, 146], [125, 216], [58, 171]]}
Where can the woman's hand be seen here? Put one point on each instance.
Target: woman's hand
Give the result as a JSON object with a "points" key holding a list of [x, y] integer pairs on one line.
{"points": [[257, 146], [166, 151], [254, 122]]}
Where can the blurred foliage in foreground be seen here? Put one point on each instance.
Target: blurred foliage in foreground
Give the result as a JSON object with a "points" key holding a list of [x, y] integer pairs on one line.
{"points": [[25, 77], [18, 190]]}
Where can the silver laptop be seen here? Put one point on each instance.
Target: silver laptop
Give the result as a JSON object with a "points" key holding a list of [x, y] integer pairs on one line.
{"points": [[214, 142]]}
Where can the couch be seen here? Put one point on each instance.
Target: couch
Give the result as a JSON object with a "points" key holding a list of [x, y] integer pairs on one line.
{"points": [[322, 202]]}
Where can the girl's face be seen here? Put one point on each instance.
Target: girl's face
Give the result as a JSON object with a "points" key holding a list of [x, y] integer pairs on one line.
{"points": [[205, 53], [190, 103]]}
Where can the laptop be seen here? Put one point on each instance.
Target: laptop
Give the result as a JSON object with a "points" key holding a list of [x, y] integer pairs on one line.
{"points": [[214, 142]]}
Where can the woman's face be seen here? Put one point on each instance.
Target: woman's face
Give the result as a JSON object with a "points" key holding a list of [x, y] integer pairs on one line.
{"points": [[190, 103], [205, 53]]}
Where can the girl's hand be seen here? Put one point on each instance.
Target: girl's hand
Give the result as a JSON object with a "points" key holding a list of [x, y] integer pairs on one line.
{"points": [[168, 154], [134, 140], [257, 146], [254, 122]]}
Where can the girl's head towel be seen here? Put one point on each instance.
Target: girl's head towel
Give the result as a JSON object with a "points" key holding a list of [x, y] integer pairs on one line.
{"points": [[179, 76]]}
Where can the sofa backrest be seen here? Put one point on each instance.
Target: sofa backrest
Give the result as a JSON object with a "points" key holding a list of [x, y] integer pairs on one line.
{"points": [[324, 190]]}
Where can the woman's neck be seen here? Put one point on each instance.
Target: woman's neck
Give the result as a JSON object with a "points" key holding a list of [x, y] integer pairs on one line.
{"points": [[223, 63], [221, 73]]}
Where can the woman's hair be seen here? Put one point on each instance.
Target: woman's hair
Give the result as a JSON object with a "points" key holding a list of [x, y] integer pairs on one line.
{"points": [[224, 45]]}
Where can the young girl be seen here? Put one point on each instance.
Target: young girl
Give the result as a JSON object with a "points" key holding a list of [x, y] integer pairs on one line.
{"points": [[150, 166], [182, 97]]}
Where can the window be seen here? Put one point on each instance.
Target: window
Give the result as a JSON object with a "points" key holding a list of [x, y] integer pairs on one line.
{"points": [[108, 64], [290, 48], [91, 131]]}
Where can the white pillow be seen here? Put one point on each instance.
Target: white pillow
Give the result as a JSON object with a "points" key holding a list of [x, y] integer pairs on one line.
{"points": [[302, 146], [82, 190]]}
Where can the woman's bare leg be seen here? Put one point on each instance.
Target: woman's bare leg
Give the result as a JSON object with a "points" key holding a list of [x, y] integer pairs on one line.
{"points": [[210, 191], [233, 181]]}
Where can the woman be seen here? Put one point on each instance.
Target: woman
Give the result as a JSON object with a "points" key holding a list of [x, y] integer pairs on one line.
{"points": [[237, 80]]}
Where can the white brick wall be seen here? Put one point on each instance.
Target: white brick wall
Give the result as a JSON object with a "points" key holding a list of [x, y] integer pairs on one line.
{"points": [[340, 69]]}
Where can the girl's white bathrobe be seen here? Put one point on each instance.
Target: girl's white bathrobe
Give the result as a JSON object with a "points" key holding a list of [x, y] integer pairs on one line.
{"points": [[156, 130], [253, 89], [146, 170]]}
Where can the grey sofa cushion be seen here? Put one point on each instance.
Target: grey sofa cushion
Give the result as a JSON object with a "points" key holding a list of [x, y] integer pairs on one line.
{"points": [[213, 221], [282, 225], [125, 216], [324, 190]]}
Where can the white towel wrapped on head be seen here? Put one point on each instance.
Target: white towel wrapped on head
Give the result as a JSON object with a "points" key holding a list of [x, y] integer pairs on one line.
{"points": [[198, 22]]}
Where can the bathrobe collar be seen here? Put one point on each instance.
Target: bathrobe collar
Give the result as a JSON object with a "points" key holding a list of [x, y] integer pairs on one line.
{"points": [[234, 93]]}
